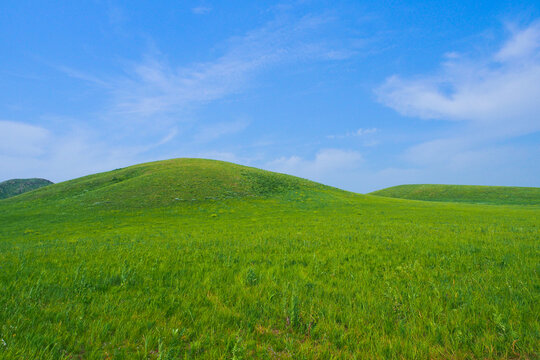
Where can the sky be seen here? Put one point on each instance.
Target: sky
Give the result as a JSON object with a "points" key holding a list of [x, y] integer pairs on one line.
{"points": [[357, 94]]}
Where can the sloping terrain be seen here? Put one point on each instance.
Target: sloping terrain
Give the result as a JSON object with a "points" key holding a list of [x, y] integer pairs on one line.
{"points": [[496, 195], [199, 259], [15, 187], [165, 183]]}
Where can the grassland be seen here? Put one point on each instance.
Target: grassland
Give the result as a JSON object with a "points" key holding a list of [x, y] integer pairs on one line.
{"points": [[198, 259], [15, 187], [495, 195]]}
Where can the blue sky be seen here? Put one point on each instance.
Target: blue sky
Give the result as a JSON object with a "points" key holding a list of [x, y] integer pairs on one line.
{"points": [[358, 95]]}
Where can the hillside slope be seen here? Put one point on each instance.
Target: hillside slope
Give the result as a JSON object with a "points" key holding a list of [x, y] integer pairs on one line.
{"points": [[251, 264], [170, 182], [15, 187], [495, 195]]}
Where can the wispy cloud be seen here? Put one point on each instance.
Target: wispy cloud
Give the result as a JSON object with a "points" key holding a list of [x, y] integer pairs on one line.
{"points": [[158, 94], [492, 99], [35, 151], [81, 75], [20, 139], [498, 94], [358, 133], [156, 87], [201, 10], [171, 135], [323, 167]]}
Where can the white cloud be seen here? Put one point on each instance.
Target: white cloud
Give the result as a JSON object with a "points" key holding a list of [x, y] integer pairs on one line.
{"points": [[474, 166], [63, 160], [32, 151], [164, 140], [436, 151], [357, 133], [201, 10], [328, 165], [156, 93], [499, 94], [492, 99], [155, 87], [466, 163], [18, 139], [524, 44]]}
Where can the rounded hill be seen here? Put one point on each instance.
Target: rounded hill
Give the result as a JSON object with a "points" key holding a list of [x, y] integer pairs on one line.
{"points": [[168, 182]]}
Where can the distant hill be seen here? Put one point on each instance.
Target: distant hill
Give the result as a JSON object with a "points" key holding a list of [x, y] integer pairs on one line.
{"points": [[14, 187], [494, 195]]}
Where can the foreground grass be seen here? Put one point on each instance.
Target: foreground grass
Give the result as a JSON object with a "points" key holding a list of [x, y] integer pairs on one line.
{"points": [[495, 195], [300, 274]]}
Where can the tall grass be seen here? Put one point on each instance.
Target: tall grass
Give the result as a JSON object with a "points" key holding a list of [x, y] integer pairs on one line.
{"points": [[298, 274]]}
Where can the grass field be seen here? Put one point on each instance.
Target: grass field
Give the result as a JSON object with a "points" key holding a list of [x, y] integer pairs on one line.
{"points": [[495, 195], [198, 259]]}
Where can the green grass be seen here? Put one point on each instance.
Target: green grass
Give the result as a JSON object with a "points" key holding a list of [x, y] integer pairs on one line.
{"points": [[166, 183], [261, 265], [496, 195], [15, 187]]}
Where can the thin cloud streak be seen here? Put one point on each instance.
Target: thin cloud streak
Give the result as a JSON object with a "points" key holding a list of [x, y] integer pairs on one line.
{"points": [[201, 10], [155, 87], [358, 133]]}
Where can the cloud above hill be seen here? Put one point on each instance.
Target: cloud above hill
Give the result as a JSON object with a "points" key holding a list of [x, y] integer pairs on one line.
{"points": [[27, 150], [489, 99], [492, 100], [156, 87], [327, 166], [19, 139], [499, 93]]}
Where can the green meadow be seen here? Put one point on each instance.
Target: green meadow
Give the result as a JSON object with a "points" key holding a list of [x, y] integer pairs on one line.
{"points": [[200, 259]]}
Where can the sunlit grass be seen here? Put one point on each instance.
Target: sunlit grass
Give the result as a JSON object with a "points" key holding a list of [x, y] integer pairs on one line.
{"points": [[292, 271]]}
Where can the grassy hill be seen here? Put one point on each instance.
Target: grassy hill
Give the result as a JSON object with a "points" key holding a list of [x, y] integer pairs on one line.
{"points": [[253, 264], [498, 195], [165, 183], [15, 187]]}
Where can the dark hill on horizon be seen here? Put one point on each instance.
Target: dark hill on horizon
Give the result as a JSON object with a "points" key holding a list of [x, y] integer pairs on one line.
{"points": [[14, 187], [474, 194]]}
